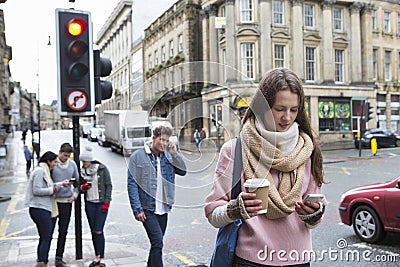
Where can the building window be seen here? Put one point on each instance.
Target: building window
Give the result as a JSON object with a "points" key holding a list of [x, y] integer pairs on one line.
{"points": [[398, 67], [334, 114], [310, 64], [150, 65], [373, 20], [224, 64], [172, 74], [398, 23], [388, 73], [375, 63], [279, 56], [338, 19], [278, 12], [180, 43], [309, 16], [386, 22], [339, 66], [171, 48], [163, 53], [247, 60], [246, 10], [156, 59]]}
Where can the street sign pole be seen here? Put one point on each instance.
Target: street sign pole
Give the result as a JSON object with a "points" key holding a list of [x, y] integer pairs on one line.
{"points": [[78, 207]]}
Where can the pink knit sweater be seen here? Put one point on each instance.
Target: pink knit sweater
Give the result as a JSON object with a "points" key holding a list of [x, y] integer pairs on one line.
{"points": [[285, 241]]}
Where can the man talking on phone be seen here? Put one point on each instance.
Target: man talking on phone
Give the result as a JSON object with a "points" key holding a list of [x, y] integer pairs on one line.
{"points": [[151, 187]]}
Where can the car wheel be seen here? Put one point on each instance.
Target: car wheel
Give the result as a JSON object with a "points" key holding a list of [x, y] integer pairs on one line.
{"points": [[367, 225], [397, 143]]}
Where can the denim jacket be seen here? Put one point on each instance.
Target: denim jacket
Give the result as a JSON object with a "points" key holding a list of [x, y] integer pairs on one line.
{"points": [[142, 178]]}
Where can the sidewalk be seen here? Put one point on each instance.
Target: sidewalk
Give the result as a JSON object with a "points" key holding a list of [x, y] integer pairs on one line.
{"points": [[20, 252]]}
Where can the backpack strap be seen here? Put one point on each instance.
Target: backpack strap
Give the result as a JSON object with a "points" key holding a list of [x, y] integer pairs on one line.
{"points": [[237, 170]]}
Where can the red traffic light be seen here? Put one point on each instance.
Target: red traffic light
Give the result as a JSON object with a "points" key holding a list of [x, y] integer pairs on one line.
{"points": [[77, 26], [219, 108]]}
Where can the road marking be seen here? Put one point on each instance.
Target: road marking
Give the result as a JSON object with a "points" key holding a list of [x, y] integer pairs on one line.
{"points": [[183, 258], [345, 170], [195, 222]]}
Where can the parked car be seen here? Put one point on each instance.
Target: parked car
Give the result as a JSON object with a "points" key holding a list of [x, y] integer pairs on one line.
{"points": [[384, 138], [373, 210], [101, 138], [93, 133]]}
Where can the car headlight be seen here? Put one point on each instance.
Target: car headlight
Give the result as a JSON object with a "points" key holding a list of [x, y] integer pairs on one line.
{"points": [[342, 197]]}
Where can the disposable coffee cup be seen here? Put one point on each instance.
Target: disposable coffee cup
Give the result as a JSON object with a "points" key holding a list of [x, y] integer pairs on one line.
{"points": [[260, 187]]}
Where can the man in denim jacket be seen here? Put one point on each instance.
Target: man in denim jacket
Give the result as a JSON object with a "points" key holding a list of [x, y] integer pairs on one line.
{"points": [[151, 187]]}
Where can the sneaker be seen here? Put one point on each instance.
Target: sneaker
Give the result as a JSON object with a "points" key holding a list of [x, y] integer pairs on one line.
{"points": [[94, 264], [61, 263]]}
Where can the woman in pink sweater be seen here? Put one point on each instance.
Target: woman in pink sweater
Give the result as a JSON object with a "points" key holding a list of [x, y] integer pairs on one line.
{"points": [[278, 145]]}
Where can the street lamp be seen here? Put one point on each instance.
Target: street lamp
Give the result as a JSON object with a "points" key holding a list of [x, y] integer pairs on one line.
{"points": [[38, 96]]}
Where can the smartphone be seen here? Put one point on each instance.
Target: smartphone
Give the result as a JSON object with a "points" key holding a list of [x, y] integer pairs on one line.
{"points": [[72, 179], [314, 197]]}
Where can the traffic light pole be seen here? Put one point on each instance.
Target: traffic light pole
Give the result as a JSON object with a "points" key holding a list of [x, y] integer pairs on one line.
{"points": [[78, 207], [359, 136]]}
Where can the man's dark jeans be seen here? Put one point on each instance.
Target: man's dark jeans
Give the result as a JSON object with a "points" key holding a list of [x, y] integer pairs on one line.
{"points": [[44, 224], [155, 226], [64, 217]]}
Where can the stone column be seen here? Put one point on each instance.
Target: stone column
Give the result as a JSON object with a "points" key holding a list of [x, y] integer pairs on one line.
{"points": [[366, 45], [328, 68], [206, 48], [355, 53], [297, 33], [213, 46], [230, 41], [266, 49]]}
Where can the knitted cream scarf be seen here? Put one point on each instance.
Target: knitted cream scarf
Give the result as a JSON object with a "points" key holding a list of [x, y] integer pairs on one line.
{"points": [[54, 211], [259, 156]]}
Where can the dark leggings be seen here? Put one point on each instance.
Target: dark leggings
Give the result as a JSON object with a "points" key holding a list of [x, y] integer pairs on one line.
{"points": [[44, 225]]}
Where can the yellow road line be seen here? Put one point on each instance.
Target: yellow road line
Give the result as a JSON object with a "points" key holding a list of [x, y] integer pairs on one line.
{"points": [[183, 258], [345, 170]]}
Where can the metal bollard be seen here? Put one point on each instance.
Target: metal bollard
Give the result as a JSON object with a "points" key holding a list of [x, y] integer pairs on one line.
{"points": [[374, 146]]}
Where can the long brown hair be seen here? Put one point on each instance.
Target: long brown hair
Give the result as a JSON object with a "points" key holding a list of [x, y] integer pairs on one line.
{"points": [[280, 79]]}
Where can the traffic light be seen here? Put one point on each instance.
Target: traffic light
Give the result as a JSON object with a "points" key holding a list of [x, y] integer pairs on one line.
{"points": [[102, 68], [218, 112], [75, 63], [369, 112]]}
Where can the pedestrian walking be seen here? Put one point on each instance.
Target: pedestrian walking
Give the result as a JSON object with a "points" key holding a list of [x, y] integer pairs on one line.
{"points": [[97, 186], [277, 144], [196, 137], [28, 157], [151, 187], [40, 199], [65, 169], [24, 132], [36, 144]]}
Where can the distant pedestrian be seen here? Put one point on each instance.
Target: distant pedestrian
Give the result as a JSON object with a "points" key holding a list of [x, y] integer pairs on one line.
{"points": [[36, 144], [24, 132], [196, 137], [28, 157], [40, 199], [65, 169], [151, 187], [98, 188]]}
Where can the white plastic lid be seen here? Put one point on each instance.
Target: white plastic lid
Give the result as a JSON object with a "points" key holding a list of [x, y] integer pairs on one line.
{"points": [[256, 182]]}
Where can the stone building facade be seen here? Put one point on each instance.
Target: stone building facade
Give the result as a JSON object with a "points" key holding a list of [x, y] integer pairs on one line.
{"points": [[114, 41], [172, 81], [346, 53]]}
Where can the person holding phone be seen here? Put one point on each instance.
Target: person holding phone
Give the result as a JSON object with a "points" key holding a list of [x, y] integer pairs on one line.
{"points": [[277, 145], [97, 187], [154, 165], [40, 199], [65, 169]]}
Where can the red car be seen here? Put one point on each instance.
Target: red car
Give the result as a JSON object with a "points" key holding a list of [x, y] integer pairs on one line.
{"points": [[373, 210]]}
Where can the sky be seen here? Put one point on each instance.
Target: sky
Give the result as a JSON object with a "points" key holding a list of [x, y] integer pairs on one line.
{"points": [[28, 25]]}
